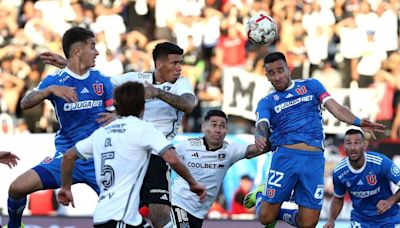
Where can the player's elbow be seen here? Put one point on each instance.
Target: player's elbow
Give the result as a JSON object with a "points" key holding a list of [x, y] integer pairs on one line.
{"points": [[171, 158]]}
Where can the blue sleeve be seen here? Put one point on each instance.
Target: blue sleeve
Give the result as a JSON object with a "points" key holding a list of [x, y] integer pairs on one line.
{"points": [[318, 89], [338, 187], [263, 111], [46, 82], [390, 170]]}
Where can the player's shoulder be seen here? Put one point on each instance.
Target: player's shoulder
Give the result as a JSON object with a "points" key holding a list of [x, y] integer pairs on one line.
{"points": [[375, 157], [342, 166], [98, 74]]}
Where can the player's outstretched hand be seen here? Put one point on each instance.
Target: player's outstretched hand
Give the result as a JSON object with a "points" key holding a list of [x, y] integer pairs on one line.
{"points": [[64, 196], [8, 158], [106, 118], [372, 127], [200, 190], [383, 206], [53, 59], [66, 93]]}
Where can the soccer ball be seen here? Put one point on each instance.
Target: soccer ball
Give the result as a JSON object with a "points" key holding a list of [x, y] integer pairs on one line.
{"points": [[261, 29]]}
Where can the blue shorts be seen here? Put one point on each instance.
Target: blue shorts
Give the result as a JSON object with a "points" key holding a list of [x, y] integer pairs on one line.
{"points": [[392, 221], [49, 171], [298, 172]]}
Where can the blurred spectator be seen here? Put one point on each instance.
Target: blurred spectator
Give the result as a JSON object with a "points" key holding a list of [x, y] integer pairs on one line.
{"points": [[109, 64], [246, 183], [328, 76]]}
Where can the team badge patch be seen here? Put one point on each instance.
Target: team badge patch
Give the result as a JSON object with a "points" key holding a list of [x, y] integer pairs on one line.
{"points": [[301, 90], [395, 170], [221, 157], [270, 192], [47, 160], [371, 179], [98, 88]]}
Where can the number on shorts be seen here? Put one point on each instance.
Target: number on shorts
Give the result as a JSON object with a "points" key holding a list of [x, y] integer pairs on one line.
{"points": [[181, 215], [275, 177], [107, 171]]}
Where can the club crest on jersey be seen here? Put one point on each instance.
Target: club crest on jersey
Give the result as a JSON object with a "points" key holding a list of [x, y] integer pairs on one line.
{"points": [[395, 170], [301, 90], [270, 192], [47, 160], [371, 179], [221, 157], [98, 88]]}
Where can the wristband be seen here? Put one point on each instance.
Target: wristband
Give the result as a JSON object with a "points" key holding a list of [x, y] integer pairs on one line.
{"points": [[357, 122]]}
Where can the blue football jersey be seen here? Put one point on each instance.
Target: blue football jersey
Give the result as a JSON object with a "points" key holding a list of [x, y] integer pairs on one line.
{"points": [[294, 115], [78, 120], [367, 185]]}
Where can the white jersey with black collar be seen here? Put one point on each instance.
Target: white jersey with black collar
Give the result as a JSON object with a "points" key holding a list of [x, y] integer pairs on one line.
{"points": [[160, 113], [121, 154], [208, 167]]}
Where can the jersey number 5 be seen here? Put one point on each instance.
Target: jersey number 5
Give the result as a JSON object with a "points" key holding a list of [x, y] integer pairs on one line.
{"points": [[107, 171]]}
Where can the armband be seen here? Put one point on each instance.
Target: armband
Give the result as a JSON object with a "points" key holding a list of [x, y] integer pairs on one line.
{"points": [[357, 121]]}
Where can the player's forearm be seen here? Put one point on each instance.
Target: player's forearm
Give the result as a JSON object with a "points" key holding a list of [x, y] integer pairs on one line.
{"points": [[67, 165], [34, 98], [340, 112], [184, 102], [336, 207], [252, 151], [262, 130]]}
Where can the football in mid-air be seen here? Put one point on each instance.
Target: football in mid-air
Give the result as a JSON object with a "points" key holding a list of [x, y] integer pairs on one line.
{"points": [[261, 29]]}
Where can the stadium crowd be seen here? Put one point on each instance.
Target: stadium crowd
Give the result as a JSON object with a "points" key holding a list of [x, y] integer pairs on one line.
{"points": [[342, 43]]}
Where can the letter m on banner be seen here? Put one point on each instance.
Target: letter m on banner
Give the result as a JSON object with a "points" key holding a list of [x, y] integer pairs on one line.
{"points": [[242, 91]]}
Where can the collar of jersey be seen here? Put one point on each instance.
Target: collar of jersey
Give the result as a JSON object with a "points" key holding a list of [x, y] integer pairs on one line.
{"points": [[77, 76], [208, 148]]}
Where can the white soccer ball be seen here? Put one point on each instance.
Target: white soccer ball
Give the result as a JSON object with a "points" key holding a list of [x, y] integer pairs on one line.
{"points": [[261, 29]]}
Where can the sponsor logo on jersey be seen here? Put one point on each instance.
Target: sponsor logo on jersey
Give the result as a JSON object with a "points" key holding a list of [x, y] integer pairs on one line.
{"points": [[301, 90], [82, 105], [205, 165], [84, 90], [158, 191], [47, 160], [364, 194], [221, 157], [371, 179], [195, 155], [395, 170], [144, 75], [360, 182], [276, 97], [98, 88], [270, 192], [64, 79], [344, 173], [294, 102], [289, 96]]}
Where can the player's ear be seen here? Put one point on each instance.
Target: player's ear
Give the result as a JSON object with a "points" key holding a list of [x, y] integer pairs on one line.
{"points": [[158, 64]]}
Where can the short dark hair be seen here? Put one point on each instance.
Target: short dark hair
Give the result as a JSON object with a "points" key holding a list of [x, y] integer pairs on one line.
{"points": [[162, 50], [129, 99], [215, 112], [274, 56], [354, 132], [75, 35]]}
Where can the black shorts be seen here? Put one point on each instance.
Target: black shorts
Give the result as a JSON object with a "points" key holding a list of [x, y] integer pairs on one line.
{"points": [[155, 188], [182, 218], [116, 224]]}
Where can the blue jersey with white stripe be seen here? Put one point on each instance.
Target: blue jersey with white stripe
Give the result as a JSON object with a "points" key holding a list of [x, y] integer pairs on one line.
{"points": [[78, 120], [368, 185], [294, 115]]}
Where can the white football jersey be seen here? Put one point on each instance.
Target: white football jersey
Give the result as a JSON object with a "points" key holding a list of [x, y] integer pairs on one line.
{"points": [[161, 114], [121, 153], [208, 168]]}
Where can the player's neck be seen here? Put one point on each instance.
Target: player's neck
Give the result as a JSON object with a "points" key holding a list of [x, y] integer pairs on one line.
{"points": [[77, 67], [157, 77]]}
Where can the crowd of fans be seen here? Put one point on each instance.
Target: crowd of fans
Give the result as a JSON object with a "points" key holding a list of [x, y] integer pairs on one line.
{"points": [[341, 43]]}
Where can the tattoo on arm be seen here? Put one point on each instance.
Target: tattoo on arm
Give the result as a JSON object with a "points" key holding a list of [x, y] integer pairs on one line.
{"points": [[34, 98], [185, 102], [262, 130]]}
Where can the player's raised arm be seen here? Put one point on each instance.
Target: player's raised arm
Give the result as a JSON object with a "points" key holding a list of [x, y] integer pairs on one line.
{"points": [[342, 113], [185, 102], [35, 97], [53, 59]]}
